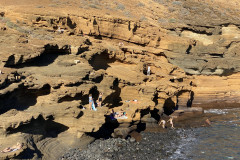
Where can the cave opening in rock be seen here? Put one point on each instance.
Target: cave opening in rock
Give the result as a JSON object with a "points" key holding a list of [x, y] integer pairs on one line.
{"points": [[47, 57], [144, 112], [101, 61], [22, 98], [68, 98], [80, 96], [141, 127], [40, 126], [155, 99], [106, 129], [169, 106], [155, 114], [228, 72]]}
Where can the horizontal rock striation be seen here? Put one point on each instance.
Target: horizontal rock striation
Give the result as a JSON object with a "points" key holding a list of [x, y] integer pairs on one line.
{"points": [[52, 59]]}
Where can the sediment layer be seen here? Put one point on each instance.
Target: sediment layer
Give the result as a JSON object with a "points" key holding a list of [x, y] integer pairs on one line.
{"points": [[55, 54]]}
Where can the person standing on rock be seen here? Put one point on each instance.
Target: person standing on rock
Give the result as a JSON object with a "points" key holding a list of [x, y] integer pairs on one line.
{"points": [[90, 101], [171, 122], [93, 105], [163, 122], [148, 71], [100, 99]]}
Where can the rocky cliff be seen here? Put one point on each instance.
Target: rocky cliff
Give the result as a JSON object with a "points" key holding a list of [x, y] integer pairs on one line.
{"points": [[55, 53]]}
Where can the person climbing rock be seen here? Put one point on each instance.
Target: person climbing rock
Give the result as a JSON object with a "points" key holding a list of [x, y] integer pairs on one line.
{"points": [[163, 122], [171, 122]]}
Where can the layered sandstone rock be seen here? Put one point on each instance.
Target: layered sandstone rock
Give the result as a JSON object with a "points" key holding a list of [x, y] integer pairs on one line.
{"points": [[54, 54]]}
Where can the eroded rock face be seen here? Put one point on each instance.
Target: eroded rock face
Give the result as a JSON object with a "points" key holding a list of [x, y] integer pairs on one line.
{"points": [[52, 61]]}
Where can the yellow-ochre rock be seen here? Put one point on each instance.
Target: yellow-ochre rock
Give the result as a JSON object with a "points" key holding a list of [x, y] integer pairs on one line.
{"points": [[146, 58]]}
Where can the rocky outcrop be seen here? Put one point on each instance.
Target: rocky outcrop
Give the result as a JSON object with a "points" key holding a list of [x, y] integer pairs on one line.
{"points": [[51, 62]]}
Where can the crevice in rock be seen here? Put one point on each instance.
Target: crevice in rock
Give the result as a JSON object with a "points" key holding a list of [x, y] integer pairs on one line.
{"points": [[70, 23], [144, 112], [228, 72], [22, 98], [190, 99], [155, 99], [50, 53], [106, 129], [68, 98], [97, 79], [155, 114], [73, 84], [81, 113], [80, 96], [40, 126], [29, 153], [114, 99], [196, 31], [189, 49], [141, 127], [216, 55]]}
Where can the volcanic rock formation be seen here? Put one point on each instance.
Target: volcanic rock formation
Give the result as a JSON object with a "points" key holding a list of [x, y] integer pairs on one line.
{"points": [[55, 53]]}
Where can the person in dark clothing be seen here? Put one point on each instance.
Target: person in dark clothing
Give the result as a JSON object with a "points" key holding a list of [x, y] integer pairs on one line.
{"points": [[100, 100]]}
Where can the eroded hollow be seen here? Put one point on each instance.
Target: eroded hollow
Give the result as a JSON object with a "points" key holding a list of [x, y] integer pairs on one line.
{"points": [[106, 129], [41, 128], [114, 99], [80, 96], [101, 61], [21, 98], [169, 106], [47, 57]]}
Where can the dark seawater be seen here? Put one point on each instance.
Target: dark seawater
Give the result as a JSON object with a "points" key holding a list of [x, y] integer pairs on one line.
{"points": [[219, 142]]}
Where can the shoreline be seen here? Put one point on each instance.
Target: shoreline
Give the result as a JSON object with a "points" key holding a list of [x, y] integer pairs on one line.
{"points": [[150, 143]]}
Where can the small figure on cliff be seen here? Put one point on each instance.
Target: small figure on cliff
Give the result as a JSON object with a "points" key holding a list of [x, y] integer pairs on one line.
{"points": [[148, 71], [171, 122], [163, 122], [120, 44], [93, 105], [120, 115], [17, 78], [59, 30], [100, 99], [76, 61], [90, 101]]}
